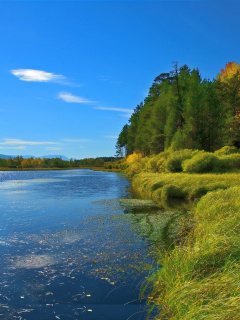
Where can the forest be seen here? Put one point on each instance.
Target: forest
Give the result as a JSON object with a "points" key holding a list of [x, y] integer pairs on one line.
{"points": [[184, 111]]}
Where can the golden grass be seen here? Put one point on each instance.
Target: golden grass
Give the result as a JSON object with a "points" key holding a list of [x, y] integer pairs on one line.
{"points": [[182, 185]]}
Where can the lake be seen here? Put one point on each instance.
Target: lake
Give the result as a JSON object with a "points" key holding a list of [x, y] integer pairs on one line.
{"points": [[70, 247]]}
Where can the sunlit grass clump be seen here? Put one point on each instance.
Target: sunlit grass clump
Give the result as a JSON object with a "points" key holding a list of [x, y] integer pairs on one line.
{"points": [[186, 186], [226, 151], [201, 279], [175, 160], [226, 159], [202, 162]]}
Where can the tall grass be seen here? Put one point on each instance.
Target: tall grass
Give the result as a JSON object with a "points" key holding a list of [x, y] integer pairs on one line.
{"points": [[182, 185], [201, 279]]}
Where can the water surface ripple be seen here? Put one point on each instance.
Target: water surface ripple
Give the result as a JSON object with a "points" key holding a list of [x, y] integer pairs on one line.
{"points": [[67, 249]]}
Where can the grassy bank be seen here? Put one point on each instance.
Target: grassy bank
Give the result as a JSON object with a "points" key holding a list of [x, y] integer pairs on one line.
{"points": [[200, 277], [226, 159], [164, 186]]}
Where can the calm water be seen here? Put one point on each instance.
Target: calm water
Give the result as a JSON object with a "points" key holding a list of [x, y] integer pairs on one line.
{"points": [[68, 250]]}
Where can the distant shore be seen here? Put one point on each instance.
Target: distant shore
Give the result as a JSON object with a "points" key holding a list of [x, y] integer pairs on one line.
{"points": [[47, 169]]}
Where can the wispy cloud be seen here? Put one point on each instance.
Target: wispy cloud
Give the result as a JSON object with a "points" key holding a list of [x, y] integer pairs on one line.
{"points": [[114, 109], [22, 142], [75, 140], [17, 148], [37, 75], [111, 137], [68, 97]]}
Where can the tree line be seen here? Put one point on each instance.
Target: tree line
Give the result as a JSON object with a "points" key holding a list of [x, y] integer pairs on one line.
{"points": [[184, 111], [19, 162]]}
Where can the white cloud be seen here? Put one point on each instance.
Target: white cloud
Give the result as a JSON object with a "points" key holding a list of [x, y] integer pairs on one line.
{"points": [[19, 141], [111, 137], [68, 97], [114, 109], [17, 148], [36, 75], [75, 140]]}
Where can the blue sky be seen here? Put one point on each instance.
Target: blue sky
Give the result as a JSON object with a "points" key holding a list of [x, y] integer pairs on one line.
{"points": [[71, 72]]}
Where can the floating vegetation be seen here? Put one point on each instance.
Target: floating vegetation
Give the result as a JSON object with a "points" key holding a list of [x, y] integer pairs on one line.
{"points": [[138, 205], [32, 261], [110, 205]]}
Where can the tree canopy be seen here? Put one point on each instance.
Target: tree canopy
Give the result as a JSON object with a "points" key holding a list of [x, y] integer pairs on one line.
{"points": [[184, 111]]}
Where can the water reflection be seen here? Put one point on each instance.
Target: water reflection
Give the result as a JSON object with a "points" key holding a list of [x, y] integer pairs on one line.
{"points": [[158, 223]]}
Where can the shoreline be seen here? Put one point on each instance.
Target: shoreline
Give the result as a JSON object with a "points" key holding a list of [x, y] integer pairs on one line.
{"points": [[47, 169], [200, 276]]}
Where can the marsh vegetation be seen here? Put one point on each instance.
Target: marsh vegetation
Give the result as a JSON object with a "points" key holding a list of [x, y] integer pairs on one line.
{"points": [[198, 266]]}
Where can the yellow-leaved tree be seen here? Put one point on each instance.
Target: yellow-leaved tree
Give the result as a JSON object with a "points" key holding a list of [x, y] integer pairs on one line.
{"points": [[230, 92], [231, 69]]}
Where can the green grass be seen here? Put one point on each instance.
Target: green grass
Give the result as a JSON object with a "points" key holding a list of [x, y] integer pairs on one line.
{"points": [[201, 279], [182, 185]]}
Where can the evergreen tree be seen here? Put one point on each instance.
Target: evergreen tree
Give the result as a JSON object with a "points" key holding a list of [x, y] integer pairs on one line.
{"points": [[184, 112]]}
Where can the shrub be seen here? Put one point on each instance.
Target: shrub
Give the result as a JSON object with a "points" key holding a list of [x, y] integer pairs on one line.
{"points": [[123, 166], [162, 157], [174, 161], [151, 164], [202, 162], [229, 162], [136, 167], [226, 150]]}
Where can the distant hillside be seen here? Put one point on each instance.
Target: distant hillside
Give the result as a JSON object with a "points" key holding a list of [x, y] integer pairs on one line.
{"points": [[3, 156], [55, 156]]}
